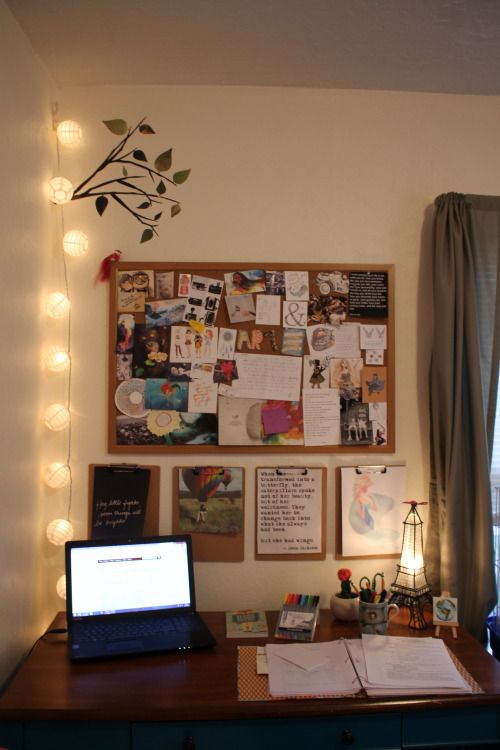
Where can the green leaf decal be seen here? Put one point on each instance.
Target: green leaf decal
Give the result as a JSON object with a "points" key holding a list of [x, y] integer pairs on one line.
{"points": [[147, 235], [146, 129], [139, 155], [176, 209], [117, 127], [125, 172], [163, 162], [146, 204], [158, 216], [101, 204], [161, 188], [180, 177]]}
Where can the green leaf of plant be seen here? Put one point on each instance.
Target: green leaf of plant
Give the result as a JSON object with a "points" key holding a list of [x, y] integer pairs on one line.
{"points": [[139, 155], [146, 129], [180, 177], [125, 172], [158, 216], [147, 235], [117, 127], [161, 188], [139, 372], [176, 209], [101, 203], [146, 204], [163, 162]]}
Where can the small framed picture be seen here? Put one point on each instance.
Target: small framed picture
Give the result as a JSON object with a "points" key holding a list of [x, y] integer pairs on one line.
{"points": [[445, 610]]}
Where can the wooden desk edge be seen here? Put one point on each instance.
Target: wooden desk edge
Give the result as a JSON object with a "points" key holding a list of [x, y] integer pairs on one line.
{"points": [[48, 687]]}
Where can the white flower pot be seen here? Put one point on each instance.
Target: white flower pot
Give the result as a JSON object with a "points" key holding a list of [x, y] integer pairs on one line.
{"points": [[345, 610]]}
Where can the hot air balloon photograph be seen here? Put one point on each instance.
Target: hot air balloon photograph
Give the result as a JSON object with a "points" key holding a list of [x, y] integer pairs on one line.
{"points": [[210, 500]]}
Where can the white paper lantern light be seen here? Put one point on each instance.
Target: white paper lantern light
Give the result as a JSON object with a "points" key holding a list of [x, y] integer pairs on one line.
{"points": [[59, 532], [57, 359], [57, 475], [57, 305], [75, 243], [61, 587], [56, 417], [69, 133], [60, 190]]}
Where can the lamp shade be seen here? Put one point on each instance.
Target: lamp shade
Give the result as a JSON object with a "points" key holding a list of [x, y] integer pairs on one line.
{"points": [[57, 305], [57, 359], [56, 417], [411, 588], [57, 475], [60, 190], [69, 133], [59, 531], [75, 243]]}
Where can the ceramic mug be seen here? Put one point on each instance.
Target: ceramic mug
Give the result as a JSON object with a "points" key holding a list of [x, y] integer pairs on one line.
{"points": [[374, 618]]}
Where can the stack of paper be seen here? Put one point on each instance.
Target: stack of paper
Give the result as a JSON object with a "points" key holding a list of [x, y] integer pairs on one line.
{"points": [[393, 665], [310, 669], [382, 665]]}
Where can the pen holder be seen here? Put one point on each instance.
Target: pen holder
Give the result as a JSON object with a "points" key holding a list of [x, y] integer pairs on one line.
{"points": [[374, 618]]}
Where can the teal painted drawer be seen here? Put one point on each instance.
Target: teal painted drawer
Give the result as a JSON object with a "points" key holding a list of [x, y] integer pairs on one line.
{"points": [[75, 735], [358, 733], [11, 736], [461, 727]]}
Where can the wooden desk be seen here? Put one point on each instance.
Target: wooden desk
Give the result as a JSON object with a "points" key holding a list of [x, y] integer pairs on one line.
{"points": [[160, 702]]}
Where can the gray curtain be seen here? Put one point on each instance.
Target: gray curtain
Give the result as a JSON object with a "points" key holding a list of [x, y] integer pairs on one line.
{"points": [[463, 386]]}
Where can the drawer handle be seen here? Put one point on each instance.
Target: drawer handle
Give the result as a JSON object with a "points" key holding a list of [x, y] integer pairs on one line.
{"points": [[347, 737], [188, 744]]}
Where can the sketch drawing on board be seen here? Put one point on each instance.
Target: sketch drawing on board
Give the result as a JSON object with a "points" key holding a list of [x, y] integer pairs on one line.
{"points": [[372, 511]]}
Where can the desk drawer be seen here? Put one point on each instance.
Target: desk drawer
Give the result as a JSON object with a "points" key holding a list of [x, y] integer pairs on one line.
{"points": [[461, 727], [11, 735], [75, 735], [357, 733]]}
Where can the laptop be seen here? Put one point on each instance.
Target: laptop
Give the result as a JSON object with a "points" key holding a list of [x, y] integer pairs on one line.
{"points": [[132, 596]]}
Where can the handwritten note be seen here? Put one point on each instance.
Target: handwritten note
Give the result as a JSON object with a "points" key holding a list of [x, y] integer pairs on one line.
{"points": [[267, 376], [119, 501], [289, 511]]}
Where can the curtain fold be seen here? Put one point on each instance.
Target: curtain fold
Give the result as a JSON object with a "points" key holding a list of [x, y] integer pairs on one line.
{"points": [[463, 375]]}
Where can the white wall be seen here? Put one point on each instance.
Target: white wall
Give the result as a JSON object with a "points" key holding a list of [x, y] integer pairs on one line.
{"points": [[280, 175], [26, 267]]}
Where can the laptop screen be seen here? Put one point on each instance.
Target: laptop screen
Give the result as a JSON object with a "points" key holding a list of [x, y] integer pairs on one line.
{"points": [[134, 576]]}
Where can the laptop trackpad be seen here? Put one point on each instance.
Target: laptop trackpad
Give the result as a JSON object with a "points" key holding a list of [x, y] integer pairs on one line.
{"points": [[131, 644]]}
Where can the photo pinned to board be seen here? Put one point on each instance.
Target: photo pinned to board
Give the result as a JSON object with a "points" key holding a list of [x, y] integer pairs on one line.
{"points": [[245, 282], [193, 429], [150, 356], [130, 398]]}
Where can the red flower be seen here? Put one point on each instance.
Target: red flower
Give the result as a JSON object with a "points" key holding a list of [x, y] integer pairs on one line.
{"points": [[344, 574]]}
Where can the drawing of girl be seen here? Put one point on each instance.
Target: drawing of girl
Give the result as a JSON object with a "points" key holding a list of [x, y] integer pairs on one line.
{"points": [[364, 501], [368, 508]]}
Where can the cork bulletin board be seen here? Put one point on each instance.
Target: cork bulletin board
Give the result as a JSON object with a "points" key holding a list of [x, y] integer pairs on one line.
{"points": [[212, 357]]}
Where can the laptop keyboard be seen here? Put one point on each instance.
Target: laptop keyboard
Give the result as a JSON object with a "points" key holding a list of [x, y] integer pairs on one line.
{"points": [[103, 631]]}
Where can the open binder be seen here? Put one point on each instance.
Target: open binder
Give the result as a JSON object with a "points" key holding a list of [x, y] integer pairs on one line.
{"points": [[375, 665]]}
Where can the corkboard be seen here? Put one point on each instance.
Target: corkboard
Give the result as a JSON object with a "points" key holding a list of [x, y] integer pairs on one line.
{"points": [[368, 302]]}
